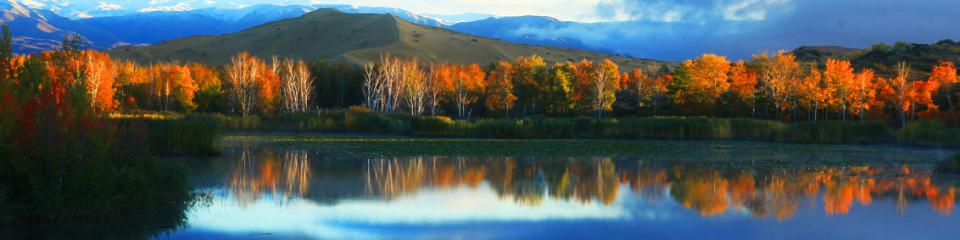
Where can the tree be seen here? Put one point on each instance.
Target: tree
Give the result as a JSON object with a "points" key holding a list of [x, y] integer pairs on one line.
{"points": [[467, 87], [500, 96], [242, 73], [296, 86], [946, 74], [779, 79], [814, 96], [413, 87], [210, 95], [582, 83], [528, 71], [862, 93], [100, 76], [901, 86], [605, 85], [743, 83], [839, 79], [706, 79], [557, 88]]}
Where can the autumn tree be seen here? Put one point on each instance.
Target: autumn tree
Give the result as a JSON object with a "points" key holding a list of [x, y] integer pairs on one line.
{"points": [[743, 83], [779, 77], [861, 93], [500, 96], [706, 79], [211, 95], [946, 74], [606, 76], [582, 80], [527, 74], [242, 73], [100, 76], [468, 85], [814, 96], [901, 89], [557, 88], [838, 77]]}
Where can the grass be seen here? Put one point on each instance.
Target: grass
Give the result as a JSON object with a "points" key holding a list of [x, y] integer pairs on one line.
{"points": [[194, 134], [929, 133], [921, 133]]}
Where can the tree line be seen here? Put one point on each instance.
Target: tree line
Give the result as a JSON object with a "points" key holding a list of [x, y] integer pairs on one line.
{"points": [[776, 86]]}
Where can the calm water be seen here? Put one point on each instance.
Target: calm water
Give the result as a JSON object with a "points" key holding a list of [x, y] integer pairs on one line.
{"points": [[272, 192], [715, 191]]}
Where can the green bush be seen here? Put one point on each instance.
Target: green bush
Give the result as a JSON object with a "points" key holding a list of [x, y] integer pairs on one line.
{"points": [[837, 132], [195, 134], [929, 133]]}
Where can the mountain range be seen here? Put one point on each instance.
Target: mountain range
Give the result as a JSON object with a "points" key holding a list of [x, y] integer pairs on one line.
{"points": [[39, 28], [329, 34]]}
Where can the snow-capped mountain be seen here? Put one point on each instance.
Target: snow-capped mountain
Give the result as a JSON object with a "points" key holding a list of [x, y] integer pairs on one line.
{"points": [[41, 29]]}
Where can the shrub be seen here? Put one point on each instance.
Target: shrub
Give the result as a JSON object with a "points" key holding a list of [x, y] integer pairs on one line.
{"points": [[929, 133], [196, 134]]}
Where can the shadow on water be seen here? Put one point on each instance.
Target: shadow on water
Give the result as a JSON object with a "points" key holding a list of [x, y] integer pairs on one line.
{"points": [[143, 223]]}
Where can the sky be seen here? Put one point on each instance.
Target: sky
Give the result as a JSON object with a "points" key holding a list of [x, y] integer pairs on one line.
{"points": [[570, 10], [662, 29]]}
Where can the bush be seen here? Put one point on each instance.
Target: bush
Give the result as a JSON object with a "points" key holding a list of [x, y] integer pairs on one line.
{"points": [[195, 134], [929, 133], [837, 132]]}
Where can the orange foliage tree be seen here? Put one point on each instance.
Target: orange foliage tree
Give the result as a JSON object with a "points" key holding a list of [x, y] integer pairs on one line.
{"points": [[500, 96]]}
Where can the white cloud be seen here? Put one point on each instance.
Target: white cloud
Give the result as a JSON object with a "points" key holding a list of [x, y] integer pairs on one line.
{"points": [[82, 14], [105, 6], [179, 7]]}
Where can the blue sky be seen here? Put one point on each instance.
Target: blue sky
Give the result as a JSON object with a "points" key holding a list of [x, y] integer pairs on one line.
{"points": [[663, 29], [572, 10]]}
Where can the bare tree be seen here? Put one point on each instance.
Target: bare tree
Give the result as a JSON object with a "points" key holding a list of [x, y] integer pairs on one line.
{"points": [[242, 74], [296, 86], [414, 88]]}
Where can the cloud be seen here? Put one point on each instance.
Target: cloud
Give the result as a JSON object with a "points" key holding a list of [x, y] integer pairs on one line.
{"points": [[685, 28], [183, 6], [105, 6], [688, 10]]}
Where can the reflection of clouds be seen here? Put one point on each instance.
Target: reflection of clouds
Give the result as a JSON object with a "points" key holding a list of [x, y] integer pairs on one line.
{"points": [[429, 206]]}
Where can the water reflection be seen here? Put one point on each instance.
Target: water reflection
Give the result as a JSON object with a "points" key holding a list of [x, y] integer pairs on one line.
{"points": [[293, 191], [709, 191], [287, 174]]}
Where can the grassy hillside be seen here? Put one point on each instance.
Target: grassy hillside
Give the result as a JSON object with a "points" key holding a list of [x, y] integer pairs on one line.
{"points": [[328, 34], [883, 58]]}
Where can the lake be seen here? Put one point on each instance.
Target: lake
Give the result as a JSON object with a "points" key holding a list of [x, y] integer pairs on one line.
{"points": [[697, 190]]}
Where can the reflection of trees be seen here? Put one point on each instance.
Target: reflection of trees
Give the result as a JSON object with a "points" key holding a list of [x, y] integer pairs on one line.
{"points": [[775, 193], [285, 175]]}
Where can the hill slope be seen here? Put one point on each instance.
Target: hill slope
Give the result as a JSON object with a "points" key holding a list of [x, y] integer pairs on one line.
{"points": [[883, 58], [328, 34]]}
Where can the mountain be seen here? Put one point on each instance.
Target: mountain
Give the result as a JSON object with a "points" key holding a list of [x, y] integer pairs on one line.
{"points": [[40, 29], [152, 27], [521, 30], [330, 34]]}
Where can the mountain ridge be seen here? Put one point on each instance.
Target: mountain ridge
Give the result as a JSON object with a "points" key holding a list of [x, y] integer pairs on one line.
{"points": [[329, 34]]}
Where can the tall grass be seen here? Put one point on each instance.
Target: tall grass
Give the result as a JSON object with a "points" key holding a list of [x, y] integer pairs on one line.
{"points": [[929, 133], [194, 134], [665, 128]]}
